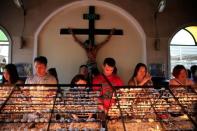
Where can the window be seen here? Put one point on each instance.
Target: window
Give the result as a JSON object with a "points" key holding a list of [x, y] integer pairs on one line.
{"points": [[4, 50], [183, 48]]}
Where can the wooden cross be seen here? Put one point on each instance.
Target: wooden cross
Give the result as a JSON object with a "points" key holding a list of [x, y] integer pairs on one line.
{"points": [[91, 31]]}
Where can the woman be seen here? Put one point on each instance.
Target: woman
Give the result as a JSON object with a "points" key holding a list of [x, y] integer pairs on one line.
{"points": [[180, 76], [140, 77], [10, 75]]}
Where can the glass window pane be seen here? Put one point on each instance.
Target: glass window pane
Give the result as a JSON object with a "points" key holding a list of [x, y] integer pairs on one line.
{"points": [[3, 36], [184, 55], [193, 31], [183, 38], [4, 54]]}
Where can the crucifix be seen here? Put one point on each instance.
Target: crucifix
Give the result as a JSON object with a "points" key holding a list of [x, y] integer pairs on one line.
{"points": [[89, 45]]}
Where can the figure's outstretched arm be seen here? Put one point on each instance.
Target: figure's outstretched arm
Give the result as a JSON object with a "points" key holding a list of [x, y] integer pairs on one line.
{"points": [[70, 30], [106, 40]]}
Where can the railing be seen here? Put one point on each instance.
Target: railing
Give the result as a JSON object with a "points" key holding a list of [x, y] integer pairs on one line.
{"points": [[51, 107]]}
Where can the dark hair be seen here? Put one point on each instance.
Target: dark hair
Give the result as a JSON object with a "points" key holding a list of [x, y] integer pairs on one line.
{"points": [[83, 66], [189, 73], [110, 62], [177, 69], [53, 72], [137, 68], [11, 69], [193, 69], [41, 59], [78, 77], [95, 72]]}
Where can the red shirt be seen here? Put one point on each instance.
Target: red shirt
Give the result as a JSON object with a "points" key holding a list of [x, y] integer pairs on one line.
{"points": [[106, 90]]}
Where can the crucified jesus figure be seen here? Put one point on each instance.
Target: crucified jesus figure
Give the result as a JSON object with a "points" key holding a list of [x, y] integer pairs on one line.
{"points": [[91, 48]]}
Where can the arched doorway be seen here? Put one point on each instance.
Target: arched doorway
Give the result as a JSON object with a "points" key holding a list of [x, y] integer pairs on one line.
{"points": [[5, 49], [183, 48]]}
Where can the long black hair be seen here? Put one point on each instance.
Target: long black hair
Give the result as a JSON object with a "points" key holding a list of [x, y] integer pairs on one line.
{"points": [[12, 71], [137, 68]]}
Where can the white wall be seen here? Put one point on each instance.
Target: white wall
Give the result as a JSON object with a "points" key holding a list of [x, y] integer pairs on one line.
{"points": [[66, 55]]}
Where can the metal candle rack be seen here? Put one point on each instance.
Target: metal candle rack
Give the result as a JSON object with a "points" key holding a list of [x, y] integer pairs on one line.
{"points": [[49, 107], [166, 108]]}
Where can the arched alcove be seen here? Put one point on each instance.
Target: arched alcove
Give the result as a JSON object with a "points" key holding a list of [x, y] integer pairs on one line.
{"points": [[66, 55]]}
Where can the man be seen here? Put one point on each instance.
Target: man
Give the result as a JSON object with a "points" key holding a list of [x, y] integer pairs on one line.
{"points": [[107, 79], [41, 93], [41, 97], [41, 76]]}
